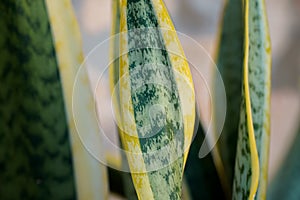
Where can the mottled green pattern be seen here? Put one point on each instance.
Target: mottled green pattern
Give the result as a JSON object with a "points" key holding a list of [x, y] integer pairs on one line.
{"points": [[259, 86], [200, 173], [230, 65], [286, 184], [242, 179], [155, 100], [35, 157]]}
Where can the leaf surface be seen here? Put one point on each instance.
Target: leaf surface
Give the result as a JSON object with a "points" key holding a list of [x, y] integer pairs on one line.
{"points": [[250, 179]]}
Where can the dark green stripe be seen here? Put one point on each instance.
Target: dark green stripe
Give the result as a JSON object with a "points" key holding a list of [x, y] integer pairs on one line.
{"points": [[35, 157]]}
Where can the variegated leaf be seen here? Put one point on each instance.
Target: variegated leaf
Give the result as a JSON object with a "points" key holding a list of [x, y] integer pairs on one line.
{"points": [[157, 105], [250, 179]]}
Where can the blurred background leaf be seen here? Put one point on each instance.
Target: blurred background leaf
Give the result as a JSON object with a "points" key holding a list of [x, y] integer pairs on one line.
{"points": [[230, 65], [286, 184], [35, 152], [200, 173], [90, 174]]}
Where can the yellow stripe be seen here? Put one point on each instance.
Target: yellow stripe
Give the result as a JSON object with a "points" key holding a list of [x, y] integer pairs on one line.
{"points": [[129, 135], [251, 134], [90, 175]]}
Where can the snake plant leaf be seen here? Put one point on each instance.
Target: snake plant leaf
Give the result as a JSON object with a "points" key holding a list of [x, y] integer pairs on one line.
{"points": [[157, 100], [200, 173], [230, 65], [250, 179], [91, 177], [35, 153], [286, 183]]}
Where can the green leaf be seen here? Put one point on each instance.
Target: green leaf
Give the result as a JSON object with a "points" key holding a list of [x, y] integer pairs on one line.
{"points": [[286, 184], [250, 178], [200, 173], [156, 161], [230, 65], [35, 152]]}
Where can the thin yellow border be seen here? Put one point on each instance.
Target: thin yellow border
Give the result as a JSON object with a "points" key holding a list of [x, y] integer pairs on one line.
{"points": [[253, 148]]}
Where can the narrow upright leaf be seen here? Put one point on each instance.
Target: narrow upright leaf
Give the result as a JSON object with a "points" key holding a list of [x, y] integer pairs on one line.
{"points": [[157, 104], [250, 179], [230, 65], [35, 153], [91, 177]]}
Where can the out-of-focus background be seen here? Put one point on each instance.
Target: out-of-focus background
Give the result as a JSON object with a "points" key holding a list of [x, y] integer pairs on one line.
{"points": [[199, 19]]}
